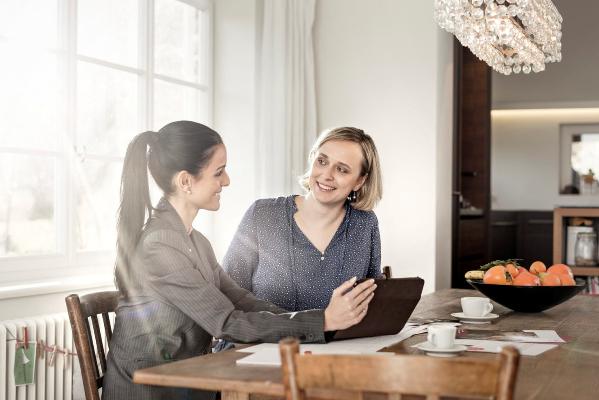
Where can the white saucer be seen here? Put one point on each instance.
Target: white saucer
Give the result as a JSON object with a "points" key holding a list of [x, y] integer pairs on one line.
{"points": [[475, 320], [431, 350]]}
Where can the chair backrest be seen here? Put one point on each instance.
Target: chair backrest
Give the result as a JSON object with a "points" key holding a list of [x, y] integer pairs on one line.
{"points": [[353, 375], [92, 359], [387, 272]]}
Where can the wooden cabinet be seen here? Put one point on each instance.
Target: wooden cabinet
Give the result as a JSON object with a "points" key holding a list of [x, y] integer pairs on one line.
{"points": [[560, 221], [524, 234]]}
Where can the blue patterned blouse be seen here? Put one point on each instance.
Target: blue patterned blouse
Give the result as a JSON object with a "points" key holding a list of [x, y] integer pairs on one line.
{"points": [[271, 256]]}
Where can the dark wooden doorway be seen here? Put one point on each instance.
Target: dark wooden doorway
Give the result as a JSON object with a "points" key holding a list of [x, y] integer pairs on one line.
{"points": [[472, 164]]}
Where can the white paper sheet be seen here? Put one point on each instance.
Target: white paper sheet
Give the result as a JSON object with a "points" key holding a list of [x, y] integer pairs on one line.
{"points": [[541, 336], [271, 357], [494, 346], [268, 353], [544, 336], [546, 340]]}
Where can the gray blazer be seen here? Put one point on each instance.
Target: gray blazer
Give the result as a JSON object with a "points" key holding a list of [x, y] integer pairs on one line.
{"points": [[179, 298]]}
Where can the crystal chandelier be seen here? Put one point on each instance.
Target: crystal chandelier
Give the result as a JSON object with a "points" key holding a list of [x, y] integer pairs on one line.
{"points": [[509, 35]]}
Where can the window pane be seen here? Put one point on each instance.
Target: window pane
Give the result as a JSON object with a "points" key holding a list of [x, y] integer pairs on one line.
{"points": [[30, 100], [178, 40], [97, 198], [107, 111], [108, 30], [30, 22], [27, 215], [176, 102]]}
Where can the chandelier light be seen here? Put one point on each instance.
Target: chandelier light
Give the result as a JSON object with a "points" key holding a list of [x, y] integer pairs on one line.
{"points": [[509, 35]]}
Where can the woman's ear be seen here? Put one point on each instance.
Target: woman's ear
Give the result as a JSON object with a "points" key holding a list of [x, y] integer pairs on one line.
{"points": [[361, 182], [183, 182]]}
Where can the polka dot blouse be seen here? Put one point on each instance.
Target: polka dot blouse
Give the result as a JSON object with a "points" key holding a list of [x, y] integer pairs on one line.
{"points": [[271, 256]]}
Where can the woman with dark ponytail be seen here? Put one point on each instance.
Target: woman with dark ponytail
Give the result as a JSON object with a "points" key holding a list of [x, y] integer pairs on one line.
{"points": [[174, 295]]}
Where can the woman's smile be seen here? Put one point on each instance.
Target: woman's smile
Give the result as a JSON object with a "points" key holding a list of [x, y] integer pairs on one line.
{"points": [[325, 188]]}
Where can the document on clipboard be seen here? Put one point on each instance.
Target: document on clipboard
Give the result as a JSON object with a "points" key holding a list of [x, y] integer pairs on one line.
{"points": [[393, 302]]}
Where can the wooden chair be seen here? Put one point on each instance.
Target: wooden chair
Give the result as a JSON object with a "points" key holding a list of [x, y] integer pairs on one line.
{"points": [[351, 376], [387, 272], [81, 311]]}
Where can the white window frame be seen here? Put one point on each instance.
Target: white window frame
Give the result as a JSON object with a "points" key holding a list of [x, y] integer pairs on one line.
{"points": [[27, 272]]}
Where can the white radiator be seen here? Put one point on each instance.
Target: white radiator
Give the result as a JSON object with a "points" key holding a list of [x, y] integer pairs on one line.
{"points": [[51, 382]]}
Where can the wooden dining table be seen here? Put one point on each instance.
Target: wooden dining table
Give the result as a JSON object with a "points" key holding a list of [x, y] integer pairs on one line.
{"points": [[569, 371]]}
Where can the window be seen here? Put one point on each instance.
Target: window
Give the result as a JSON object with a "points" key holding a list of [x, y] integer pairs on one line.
{"points": [[79, 79]]}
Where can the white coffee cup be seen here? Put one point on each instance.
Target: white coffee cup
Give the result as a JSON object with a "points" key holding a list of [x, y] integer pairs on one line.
{"points": [[442, 336], [476, 306]]}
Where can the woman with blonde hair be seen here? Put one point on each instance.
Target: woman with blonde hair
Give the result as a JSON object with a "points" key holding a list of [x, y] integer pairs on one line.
{"points": [[293, 251]]}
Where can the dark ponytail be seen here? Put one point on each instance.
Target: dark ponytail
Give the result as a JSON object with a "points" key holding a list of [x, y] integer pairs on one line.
{"points": [[135, 203], [178, 146]]}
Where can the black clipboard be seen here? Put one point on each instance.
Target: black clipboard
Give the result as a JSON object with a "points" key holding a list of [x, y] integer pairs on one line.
{"points": [[393, 302]]}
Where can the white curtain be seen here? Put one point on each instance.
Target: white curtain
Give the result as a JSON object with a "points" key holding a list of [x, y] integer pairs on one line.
{"points": [[286, 122]]}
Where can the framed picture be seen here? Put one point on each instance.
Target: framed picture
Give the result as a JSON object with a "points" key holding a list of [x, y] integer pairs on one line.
{"points": [[579, 159]]}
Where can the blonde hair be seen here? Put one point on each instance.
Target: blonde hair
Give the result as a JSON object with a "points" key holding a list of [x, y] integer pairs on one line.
{"points": [[372, 190]]}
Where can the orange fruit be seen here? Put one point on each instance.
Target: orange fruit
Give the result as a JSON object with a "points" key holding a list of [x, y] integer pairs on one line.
{"points": [[537, 267], [520, 269], [567, 279], [560, 269], [525, 278], [495, 275], [550, 279], [512, 270]]}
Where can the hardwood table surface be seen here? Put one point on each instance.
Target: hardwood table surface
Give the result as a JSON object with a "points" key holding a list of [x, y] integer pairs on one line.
{"points": [[569, 371]]}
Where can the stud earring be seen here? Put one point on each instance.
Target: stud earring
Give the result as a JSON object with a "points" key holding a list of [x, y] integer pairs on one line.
{"points": [[353, 196], [188, 191]]}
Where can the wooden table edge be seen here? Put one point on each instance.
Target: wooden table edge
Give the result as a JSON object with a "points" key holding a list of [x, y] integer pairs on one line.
{"points": [[225, 385]]}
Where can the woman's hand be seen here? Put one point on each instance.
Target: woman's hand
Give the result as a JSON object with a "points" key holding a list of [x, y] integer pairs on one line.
{"points": [[348, 306]]}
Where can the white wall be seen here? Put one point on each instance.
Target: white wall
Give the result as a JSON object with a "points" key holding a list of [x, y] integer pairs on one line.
{"points": [[384, 67], [525, 158], [234, 110]]}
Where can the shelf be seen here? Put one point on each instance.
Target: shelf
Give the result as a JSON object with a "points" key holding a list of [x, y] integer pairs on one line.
{"points": [[590, 212], [585, 271], [559, 215]]}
